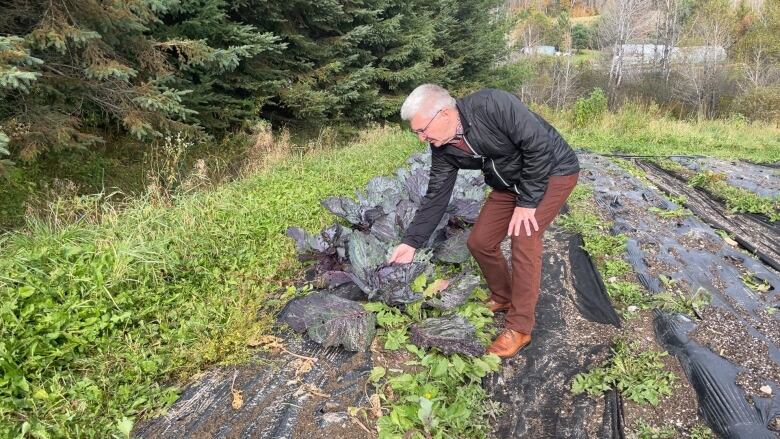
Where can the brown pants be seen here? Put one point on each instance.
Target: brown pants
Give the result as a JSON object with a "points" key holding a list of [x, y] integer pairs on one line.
{"points": [[522, 287]]}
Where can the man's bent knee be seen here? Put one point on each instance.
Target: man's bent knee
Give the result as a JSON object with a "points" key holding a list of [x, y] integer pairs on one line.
{"points": [[475, 245]]}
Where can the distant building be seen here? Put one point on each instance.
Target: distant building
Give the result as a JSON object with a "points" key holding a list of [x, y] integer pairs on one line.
{"points": [[641, 54], [538, 50]]}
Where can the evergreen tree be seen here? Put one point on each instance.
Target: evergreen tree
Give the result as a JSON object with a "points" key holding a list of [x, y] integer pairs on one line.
{"points": [[72, 69], [73, 66]]}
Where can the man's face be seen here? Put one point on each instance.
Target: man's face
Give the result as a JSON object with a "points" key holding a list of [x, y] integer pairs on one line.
{"points": [[437, 128]]}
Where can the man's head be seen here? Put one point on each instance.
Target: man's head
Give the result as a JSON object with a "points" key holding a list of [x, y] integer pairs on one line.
{"points": [[431, 113]]}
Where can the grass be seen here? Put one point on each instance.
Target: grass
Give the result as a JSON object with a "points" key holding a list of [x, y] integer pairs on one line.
{"points": [[736, 199], [645, 130], [103, 322]]}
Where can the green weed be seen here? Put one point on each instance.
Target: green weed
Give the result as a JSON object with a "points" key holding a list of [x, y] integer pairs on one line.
{"points": [[606, 245], [446, 397], [737, 199], [632, 169], [625, 294], [671, 213], [675, 300], [615, 268], [639, 375], [647, 431], [755, 283], [700, 432]]}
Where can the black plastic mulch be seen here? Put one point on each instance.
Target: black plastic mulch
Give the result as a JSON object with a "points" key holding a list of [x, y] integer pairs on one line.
{"points": [[534, 386], [688, 251]]}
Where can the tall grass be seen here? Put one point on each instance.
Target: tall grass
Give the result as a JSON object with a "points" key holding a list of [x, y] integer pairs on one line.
{"points": [[100, 322], [646, 130]]}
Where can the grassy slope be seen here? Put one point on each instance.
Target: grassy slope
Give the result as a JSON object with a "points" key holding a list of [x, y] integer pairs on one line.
{"points": [[96, 317], [638, 129]]}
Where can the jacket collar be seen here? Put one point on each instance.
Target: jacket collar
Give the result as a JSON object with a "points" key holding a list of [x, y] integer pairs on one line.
{"points": [[461, 106]]}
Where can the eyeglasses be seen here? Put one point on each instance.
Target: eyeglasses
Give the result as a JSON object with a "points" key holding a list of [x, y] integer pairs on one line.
{"points": [[422, 131]]}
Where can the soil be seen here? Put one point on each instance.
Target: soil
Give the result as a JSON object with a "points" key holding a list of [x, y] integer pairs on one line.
{"points": [[725, 334], [679, 410], [700, 241], [333, 408]]}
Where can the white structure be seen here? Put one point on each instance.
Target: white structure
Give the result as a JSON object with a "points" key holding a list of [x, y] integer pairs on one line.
{"points": [[641, 54], [538, 50]]}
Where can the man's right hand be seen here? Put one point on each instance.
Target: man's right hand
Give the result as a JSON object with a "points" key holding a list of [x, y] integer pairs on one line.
{"points": [[403, 254]]}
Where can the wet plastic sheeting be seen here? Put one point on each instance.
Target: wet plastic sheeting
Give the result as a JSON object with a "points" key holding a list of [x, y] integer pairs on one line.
{"points": [[534, 387], [721, 401], [759, 179], [688, 251], [591, 299], [273, 407], [753, 232]]}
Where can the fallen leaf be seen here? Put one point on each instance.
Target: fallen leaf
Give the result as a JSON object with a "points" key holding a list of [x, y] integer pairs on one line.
{"points": [[389, 393], [436, 287], [302, 366], [311, 389], [268, 342], [376, 405], [238, 400]]}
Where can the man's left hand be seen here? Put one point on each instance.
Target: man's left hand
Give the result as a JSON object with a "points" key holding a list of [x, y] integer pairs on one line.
{"points": [[523, 217]]}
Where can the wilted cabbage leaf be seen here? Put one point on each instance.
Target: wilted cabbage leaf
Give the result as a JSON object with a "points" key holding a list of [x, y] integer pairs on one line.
{"points": [[454, 249], [451, 334], [456, 294], [328, 248], [331, 320]]}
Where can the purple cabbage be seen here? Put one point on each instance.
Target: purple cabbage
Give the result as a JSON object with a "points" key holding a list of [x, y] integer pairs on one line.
{"points": [[331, 320], [451, 335]]}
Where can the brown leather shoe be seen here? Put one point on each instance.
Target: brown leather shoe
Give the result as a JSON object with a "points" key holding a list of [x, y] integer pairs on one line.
{"points": [[494, 306], [508, 343]]}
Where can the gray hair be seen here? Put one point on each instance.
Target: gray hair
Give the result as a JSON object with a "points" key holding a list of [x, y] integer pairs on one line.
{"points": [[430, 95]]}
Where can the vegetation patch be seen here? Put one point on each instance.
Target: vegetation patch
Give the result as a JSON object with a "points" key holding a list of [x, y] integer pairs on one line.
{"points": [[432, 395], [736, 199], [639, 375], [102, 322]]}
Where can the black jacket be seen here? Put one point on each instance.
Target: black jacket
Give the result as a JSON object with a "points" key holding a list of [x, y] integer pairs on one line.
{"points": [[516, 149]]}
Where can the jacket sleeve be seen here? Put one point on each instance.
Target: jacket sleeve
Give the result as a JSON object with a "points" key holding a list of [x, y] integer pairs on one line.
{"points": [[432, 207], [522, 127]]}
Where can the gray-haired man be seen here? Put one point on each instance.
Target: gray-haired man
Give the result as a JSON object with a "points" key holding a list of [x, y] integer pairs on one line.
{"points": [[532, 171]]}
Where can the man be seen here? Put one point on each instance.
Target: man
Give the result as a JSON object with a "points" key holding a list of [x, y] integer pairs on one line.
{"points": [[531, 169]]}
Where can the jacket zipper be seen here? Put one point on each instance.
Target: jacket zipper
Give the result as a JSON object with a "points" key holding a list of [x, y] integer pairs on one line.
{"points": [[492, 163], [472, 149], [497, 174]]}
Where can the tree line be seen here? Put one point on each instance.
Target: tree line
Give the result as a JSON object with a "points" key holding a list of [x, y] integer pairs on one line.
{"points": [[72, 71]]}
